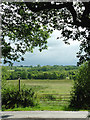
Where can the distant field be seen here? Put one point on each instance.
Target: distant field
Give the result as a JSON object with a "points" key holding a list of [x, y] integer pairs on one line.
{"points": [[46, 86]]}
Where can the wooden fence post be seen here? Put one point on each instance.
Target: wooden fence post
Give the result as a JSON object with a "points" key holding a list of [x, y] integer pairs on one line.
{"points": [[19, 84]]}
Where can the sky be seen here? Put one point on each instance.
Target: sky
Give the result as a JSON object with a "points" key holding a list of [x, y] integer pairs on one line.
{"points": [[58, 53]]}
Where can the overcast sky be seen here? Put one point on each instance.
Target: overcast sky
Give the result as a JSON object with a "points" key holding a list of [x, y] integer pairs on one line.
{"points": [[58, 53]]}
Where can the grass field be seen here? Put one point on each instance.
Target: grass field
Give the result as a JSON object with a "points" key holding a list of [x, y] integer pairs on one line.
{"points": [[46, 86], [42, 87]]}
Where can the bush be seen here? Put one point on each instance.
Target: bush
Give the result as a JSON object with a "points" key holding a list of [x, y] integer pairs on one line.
{"points": [[80, 95], [11, 97]]}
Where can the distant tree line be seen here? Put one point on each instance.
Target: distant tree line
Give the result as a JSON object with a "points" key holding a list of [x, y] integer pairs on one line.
{"points": [[39, 72]]}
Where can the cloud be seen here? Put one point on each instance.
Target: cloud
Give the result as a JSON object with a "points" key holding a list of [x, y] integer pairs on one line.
{"points": [[57, 53]]}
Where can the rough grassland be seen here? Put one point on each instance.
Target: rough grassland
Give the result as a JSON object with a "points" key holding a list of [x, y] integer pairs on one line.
{"points": [[46, 86]]}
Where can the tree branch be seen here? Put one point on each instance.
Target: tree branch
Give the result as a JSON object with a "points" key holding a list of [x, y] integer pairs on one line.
{"points": [[85, 20], [85, 17], [36, 7]]}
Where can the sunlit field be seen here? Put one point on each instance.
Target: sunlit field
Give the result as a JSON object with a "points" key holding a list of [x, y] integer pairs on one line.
{"points": [[46, 86]]}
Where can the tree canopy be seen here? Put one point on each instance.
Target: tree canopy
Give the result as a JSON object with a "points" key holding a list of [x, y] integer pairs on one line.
{"points": [[29, 24], [23, 31]]}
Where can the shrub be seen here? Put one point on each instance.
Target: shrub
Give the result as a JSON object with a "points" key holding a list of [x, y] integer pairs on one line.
{"points": [[12, 97], [80, 95]]}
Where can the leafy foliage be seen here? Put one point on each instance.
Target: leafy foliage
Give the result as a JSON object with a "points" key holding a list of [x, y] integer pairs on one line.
{"points": [[12, 97], [22, 31], [81, 91], [43, 72], [28, 25], [72, 18], [4, 76]]}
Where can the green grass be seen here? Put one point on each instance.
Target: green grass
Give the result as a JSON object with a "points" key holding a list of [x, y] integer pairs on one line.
{"points": [[40, 108], [45, 108], [46, 86]]}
